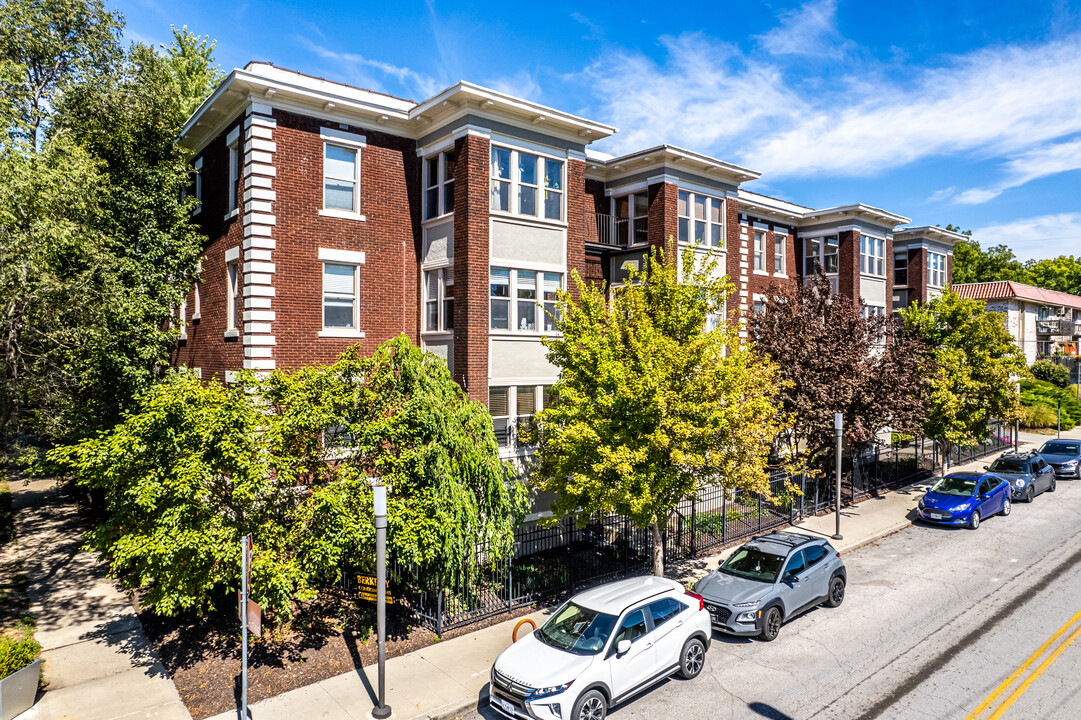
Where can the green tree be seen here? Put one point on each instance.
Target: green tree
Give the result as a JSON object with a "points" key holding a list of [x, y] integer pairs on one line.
{"points": [[971, 263], [650, 407], [978, 368], [289, 459], [1062, 273], [190, 59]]}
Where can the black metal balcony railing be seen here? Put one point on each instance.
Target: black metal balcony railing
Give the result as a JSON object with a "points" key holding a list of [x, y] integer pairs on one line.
{"points": [[621, 232], [1056, 326]]}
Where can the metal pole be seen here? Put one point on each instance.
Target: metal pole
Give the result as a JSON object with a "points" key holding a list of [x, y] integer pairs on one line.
{"points": [[379, 494], [838, 426], [1058, 420], [244, 628]]}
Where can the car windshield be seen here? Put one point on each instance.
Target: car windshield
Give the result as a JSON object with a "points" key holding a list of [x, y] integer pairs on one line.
{"points": [[577, 629], [960, 486], [753, 564], [1056, 447], [1009, 465]]}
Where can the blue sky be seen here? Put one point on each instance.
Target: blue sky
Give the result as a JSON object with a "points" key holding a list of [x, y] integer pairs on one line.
{"points": [[946, 112]]}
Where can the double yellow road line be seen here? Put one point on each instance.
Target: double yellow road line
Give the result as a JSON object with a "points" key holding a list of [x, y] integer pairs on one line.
{"points": [[1002, 707]]}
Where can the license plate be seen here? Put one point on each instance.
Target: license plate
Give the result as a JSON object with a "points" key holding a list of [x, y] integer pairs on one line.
{"points": [[935, 515], [508, 707]]}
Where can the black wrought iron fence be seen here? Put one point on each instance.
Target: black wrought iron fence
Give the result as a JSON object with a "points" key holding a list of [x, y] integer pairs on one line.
{"points": [[551, 563]]}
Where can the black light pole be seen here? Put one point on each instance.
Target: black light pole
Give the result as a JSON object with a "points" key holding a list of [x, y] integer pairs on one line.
{"points": [[1058, 420], [379, 496], [838, 426]]}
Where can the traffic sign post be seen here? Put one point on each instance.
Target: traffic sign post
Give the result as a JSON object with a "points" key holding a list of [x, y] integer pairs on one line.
{"points": [[251, 619]]}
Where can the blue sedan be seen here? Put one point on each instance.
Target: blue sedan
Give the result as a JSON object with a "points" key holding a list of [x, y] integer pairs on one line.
{"points": [[965, 498]]}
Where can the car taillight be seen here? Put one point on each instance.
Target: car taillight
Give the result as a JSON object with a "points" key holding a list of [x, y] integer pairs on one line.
{"points": [[701, 601]]}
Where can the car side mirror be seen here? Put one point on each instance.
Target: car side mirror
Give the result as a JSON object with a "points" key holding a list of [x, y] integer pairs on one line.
{"points": [[623, 647], [791, 577]]}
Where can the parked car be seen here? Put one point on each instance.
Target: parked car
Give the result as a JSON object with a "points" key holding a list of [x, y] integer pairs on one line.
{"points": [[770, 580], [1064, 457], [601, 647], [1027, 474], [965, 498]]}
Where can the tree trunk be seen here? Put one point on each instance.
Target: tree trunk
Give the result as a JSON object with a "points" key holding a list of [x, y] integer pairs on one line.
{"points": [[946, 448], [658, 550]]}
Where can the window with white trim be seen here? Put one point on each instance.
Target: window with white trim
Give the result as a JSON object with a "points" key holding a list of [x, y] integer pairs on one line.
{"points": [[340, 292], [526, 401], [780, 250], [182, 317], [526, 184], [439, 300], [232, 294], [499, 408], [867, 311], [900, 268], [936, 270], [821, 252], [535, 299], [872, 256], [631, 214], [526, 405], [234, 174], [700, 219], [760, 250], [198, 172], [439, 185], [341, 178]]}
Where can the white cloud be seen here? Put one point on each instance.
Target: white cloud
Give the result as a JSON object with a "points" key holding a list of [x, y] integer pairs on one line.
{"points": [[943, 194], [359, 71], [1035, 238], [1039, 162], [520, 84], [712, 97], [810, 30]]}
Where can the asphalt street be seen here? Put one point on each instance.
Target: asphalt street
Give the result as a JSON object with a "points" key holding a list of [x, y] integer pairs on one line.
{"points": [[937, 623]]}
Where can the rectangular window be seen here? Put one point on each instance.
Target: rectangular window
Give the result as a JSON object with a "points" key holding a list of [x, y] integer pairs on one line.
{"points": [[872, 256], [812, 251], [439, 185], [499, 290], [198, 165], [780, 249], [234, 174], [232, 294], [830, 248], [499, 407], [439, 300], [518, 179], [867, 311], [700, 219], [760, 250], [936, 270], [553, 283], [900, 269], [759, 305], [631, 218], [182, 317], [527, 300], [340, 178], [339, 295], [526, 405]]}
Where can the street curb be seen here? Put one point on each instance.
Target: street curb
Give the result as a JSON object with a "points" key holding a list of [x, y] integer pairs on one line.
{"points": [[896, 528], [455, 708]]}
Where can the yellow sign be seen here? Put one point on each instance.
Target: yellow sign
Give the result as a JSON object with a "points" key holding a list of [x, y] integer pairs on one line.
{"points": [[366, 589]]}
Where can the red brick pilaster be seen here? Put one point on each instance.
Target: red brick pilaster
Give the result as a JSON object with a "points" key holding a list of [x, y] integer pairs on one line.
{"points": [[663, 221], [580, 221], [917, 275], [471, 211], [848, 265]]}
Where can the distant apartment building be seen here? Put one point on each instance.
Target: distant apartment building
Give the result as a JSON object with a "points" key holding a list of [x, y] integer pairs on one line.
{"points": [[337, 216], [1042, 322]]}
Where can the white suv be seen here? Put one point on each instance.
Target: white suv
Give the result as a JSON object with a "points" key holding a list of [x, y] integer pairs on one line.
{"points": [[600, 647]]}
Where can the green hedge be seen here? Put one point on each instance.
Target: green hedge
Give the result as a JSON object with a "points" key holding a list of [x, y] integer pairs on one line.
{"points": [[1052, 372], [1040, 399], [19, 651]]}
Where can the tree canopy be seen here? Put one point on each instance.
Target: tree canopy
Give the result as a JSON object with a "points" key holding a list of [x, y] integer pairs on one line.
{"points": [[972, 263], [978, 368], [832, 360], [97, 246], [651, 406], [290, 458]]}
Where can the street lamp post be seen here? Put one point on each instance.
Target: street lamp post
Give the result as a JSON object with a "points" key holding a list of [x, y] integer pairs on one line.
{"points": [[379, 496], [1058, 420], [838, 426]]}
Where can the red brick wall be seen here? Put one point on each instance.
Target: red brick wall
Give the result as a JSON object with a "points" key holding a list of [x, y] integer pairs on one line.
{"points": [[949, 269], [733, 244], [594, 270], [471, 242], [662, 223], [389, 237], [848, 264], [580, 221], [917, 275]]}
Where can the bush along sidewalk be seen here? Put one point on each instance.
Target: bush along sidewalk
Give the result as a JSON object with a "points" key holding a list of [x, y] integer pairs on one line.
{"points": [[18, 648]]}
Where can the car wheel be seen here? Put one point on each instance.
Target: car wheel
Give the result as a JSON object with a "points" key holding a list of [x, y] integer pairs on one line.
{"points": [[1007, 504], [591, 706], [1029, 494], [974, 520], [771, 624], [837, 592], [1051, 486], [692, 658]]}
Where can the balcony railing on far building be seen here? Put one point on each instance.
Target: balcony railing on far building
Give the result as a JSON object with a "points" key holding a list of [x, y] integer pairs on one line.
{"points": [[1056, 326], [621, 232]]}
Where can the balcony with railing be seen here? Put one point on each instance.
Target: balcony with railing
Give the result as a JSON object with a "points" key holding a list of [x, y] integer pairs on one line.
{"points": [[1057, 327], [619, 232]]}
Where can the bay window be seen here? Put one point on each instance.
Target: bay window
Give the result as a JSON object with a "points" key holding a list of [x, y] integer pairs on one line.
{"points": [[872, 256], [700, 219], [900, 268], [518, 180], [821, 252], [936, 270], [632, 222], [439, 300], [526, 405], [439, 185], [535, 296], [525, 400], [499, 407]]}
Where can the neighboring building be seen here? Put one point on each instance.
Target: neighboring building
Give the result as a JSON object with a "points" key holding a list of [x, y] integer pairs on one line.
{"points": [[1042, 322], [338, 216]]}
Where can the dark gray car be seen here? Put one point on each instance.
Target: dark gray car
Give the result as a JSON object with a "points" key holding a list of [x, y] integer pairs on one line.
{"points": [[1064, 456], [769, 581], [1027, 474]]}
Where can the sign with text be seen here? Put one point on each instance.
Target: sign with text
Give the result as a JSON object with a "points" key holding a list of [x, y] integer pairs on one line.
{"points": [[366, 589]]}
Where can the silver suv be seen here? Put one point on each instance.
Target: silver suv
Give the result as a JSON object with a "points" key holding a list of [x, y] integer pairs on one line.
{"points": [[769, 581]]}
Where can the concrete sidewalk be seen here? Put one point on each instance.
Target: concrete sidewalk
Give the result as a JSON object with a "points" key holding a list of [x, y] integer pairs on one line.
{"points": [[97, 661], [450, 678]]}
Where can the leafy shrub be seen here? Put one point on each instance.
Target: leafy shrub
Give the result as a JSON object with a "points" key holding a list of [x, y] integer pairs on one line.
{"points": [[1040, 392], [18, 652], [1052, 372], [1038, 416]]}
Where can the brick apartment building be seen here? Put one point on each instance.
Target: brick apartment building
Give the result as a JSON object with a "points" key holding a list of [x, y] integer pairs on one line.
{"points": [[337, 216]]}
